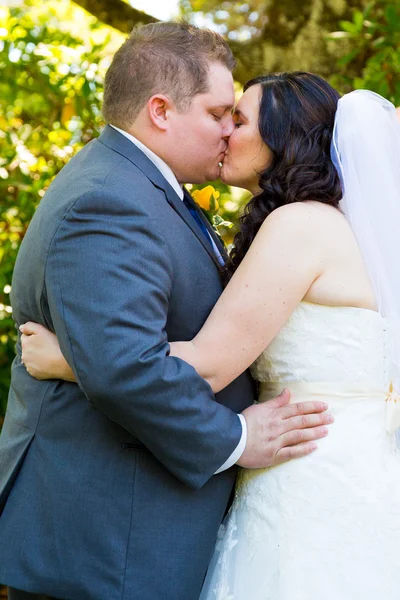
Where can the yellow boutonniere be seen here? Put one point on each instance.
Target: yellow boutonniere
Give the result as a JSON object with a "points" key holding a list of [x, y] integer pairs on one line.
{"points": [[207, 198]]}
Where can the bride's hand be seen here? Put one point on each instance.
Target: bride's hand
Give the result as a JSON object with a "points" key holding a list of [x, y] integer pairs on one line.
{"points": [[41, 353]]}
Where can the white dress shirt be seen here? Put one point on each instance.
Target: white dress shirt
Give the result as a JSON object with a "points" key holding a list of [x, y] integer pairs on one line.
{"points": [[170, 177]]}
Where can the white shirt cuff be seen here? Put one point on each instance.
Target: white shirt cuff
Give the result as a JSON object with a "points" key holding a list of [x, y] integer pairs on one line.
{"points": [[237, 453]]}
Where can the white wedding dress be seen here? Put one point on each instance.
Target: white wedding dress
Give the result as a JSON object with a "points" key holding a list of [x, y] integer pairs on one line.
{"points": [[326, 526]]}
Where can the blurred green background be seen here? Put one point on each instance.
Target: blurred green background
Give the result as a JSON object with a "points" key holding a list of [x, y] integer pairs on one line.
{"points": [[53, 56]]}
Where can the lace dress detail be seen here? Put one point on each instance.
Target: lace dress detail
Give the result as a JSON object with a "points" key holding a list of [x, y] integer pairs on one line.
{"points": [[326, 343], [326, 526]]}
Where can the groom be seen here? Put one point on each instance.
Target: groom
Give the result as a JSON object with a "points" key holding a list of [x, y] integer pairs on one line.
{"points": [[106, 487]]}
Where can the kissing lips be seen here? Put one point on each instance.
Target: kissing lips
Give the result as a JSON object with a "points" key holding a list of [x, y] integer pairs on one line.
{"points": [[221, 162]]}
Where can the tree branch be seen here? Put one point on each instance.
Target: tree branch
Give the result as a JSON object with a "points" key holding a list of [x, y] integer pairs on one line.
{"points": [[291, 37], [122, 16], [117, 14]]}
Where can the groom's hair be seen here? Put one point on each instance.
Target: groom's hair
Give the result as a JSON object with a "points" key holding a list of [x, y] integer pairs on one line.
{"points": [[161, 58]]}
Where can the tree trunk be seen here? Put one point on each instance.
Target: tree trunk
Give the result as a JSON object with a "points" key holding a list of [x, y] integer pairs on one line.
{"points": [[296, 37]]}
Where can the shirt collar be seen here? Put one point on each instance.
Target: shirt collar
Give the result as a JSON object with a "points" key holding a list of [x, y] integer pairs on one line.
{"points": [[162, 166]]}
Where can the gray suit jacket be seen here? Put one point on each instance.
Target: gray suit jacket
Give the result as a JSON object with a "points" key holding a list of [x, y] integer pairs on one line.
{"points": [[106, 487]]}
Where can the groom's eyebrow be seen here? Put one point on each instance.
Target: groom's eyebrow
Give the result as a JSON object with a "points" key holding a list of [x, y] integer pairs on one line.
{"points": [[224, 107]]}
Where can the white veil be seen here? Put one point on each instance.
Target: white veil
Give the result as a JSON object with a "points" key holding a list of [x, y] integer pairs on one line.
{"points": [[366, 152]]}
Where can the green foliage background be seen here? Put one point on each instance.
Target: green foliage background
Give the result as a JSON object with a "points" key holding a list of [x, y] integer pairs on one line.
{"points": [[53, 56]]}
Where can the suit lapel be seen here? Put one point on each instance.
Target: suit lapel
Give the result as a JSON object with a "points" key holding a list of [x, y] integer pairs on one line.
{"points": [[178, 205], [119, 143], [208, 226]]}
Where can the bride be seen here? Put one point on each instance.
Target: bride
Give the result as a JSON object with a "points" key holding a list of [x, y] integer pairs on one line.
{"points": [[312, 303]]}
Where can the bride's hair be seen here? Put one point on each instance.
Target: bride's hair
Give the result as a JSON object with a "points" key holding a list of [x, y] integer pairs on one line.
{"points": [[297, 113]]}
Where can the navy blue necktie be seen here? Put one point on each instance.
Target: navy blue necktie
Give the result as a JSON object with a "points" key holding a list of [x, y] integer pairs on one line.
{"points": [[197, 218]]}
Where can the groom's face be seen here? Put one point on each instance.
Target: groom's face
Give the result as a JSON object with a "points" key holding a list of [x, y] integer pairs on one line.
{"points": [[199, 136]]}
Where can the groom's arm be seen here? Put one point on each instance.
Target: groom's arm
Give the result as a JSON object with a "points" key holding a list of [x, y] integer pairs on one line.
{"points": [[108, 281]]}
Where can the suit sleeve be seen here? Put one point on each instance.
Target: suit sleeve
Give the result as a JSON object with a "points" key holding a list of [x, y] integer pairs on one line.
{"points": [[108, 280]]}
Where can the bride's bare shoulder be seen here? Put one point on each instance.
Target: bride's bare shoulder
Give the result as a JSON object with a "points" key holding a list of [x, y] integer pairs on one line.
{"points": [[307, 216]]}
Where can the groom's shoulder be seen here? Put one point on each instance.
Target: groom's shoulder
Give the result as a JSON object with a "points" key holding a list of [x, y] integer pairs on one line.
{"points": [[97, 174], [101, 166]]}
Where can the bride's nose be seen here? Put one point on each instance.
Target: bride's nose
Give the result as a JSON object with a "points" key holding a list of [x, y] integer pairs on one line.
{"points": [[228, 129]]}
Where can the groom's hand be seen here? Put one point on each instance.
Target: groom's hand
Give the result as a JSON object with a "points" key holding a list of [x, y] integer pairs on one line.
{"points": [[278, 431]]}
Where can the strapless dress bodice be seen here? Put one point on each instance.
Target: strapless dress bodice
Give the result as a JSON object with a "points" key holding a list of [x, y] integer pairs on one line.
{"points": [[322, 343]]}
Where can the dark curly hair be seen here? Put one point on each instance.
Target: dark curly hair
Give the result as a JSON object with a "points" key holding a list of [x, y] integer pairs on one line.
{"points": [[297, 112]]}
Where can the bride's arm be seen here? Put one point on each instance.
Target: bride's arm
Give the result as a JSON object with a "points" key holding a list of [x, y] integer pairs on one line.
{"points": [[285, 258]]}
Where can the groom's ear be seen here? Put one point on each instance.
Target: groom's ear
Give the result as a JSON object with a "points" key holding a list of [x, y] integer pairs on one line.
{"points": [[159, 109]]}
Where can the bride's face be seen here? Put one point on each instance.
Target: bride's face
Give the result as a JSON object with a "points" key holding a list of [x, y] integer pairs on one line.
{"points": [[247, 155]]}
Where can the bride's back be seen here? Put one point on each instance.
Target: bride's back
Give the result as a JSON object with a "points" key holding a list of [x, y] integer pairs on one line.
{"points": [[344, 279], [335, 333]]}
